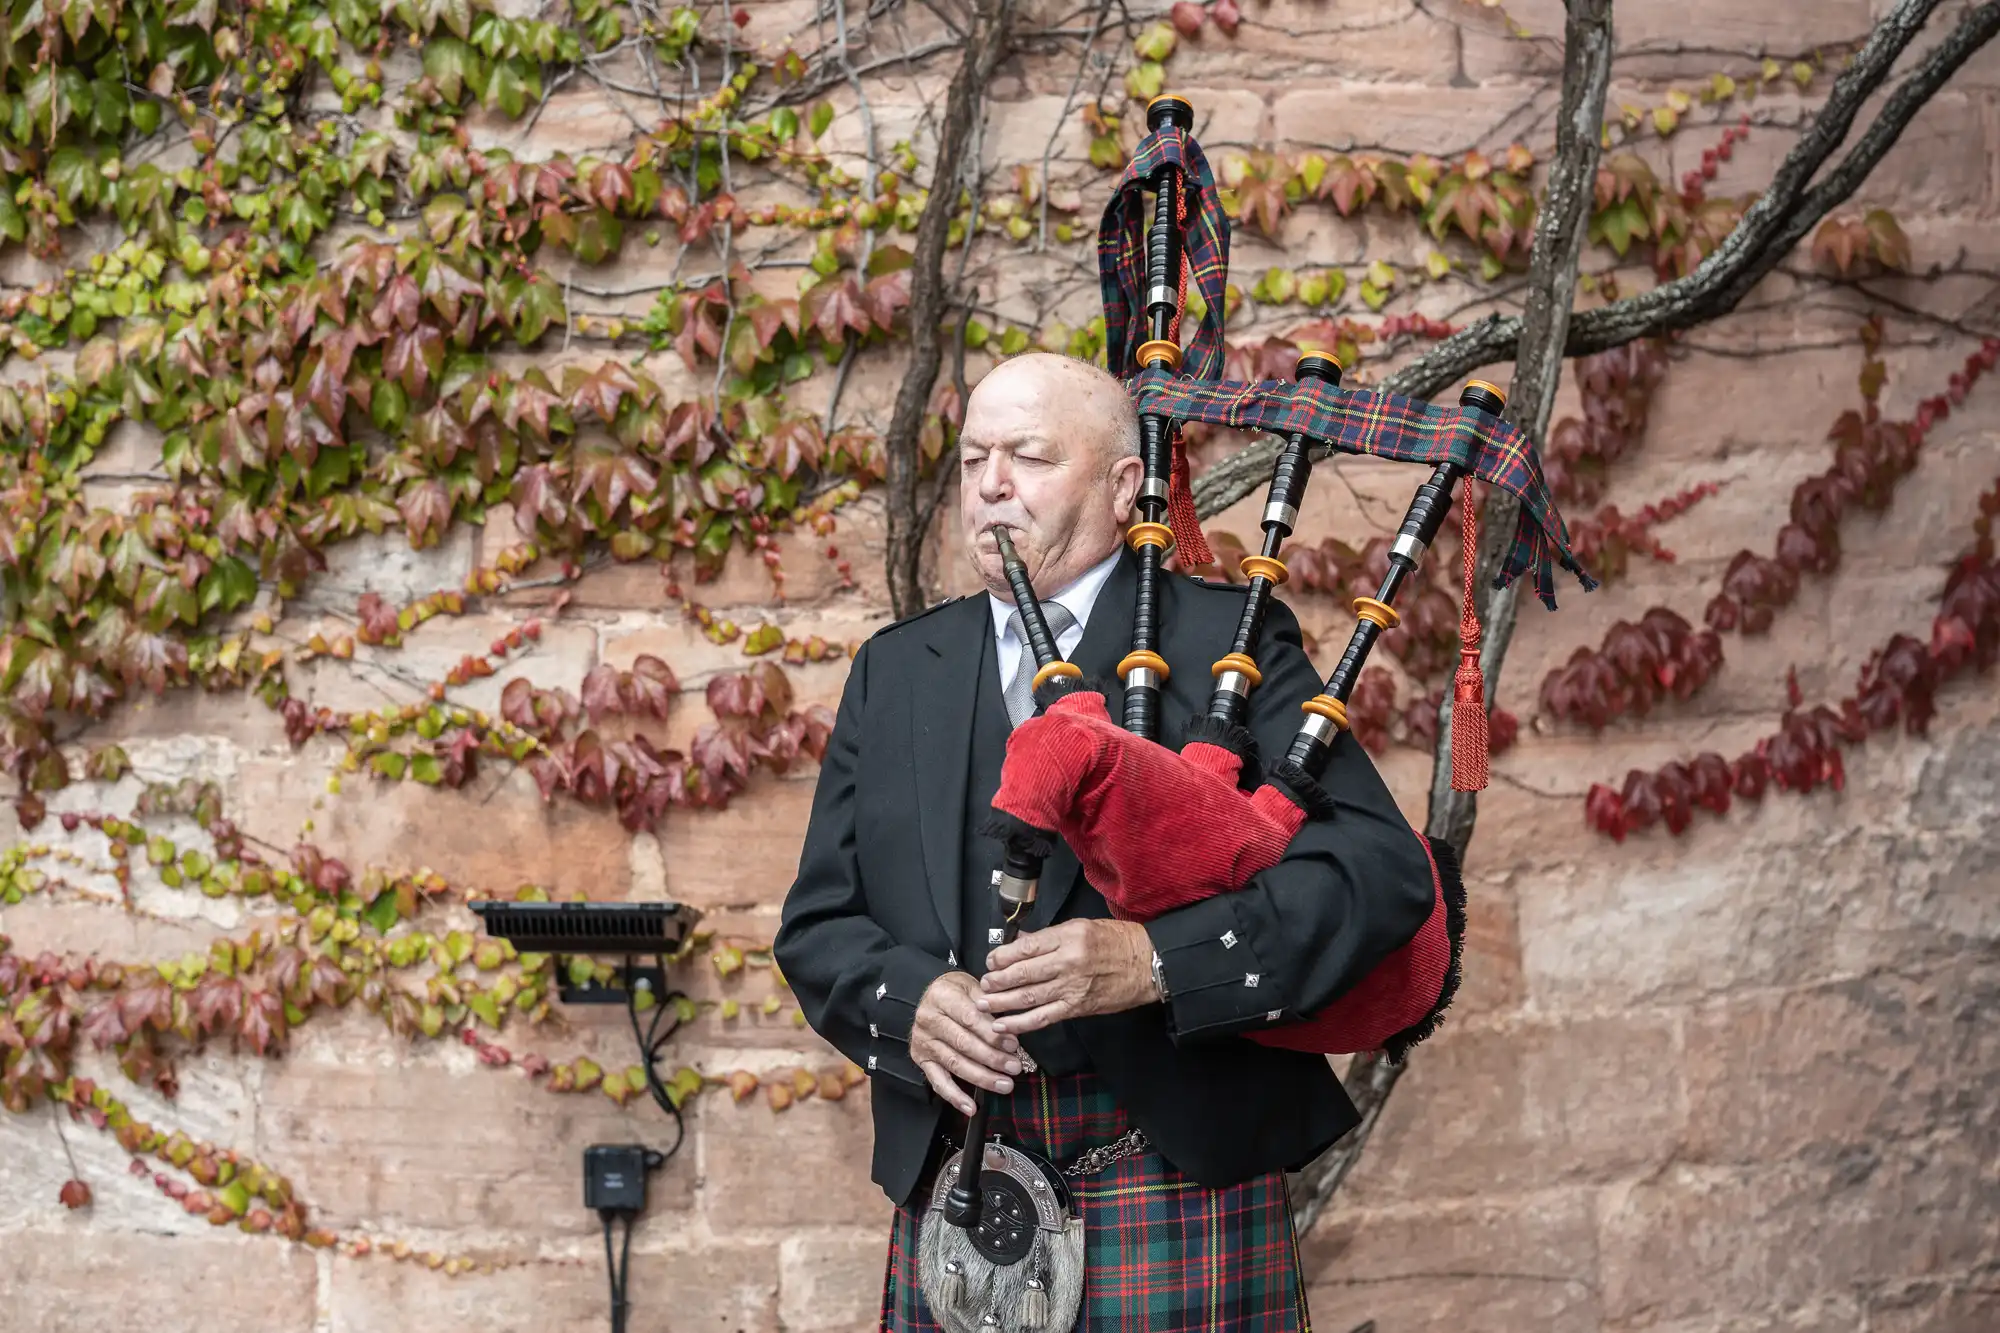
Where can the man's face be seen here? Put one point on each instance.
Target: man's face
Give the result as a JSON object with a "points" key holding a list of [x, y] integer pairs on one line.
{"points": [[1030, 458]]}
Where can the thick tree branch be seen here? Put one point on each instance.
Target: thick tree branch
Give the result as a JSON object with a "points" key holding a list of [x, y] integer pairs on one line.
{"points": [[1552, 269], [984, 48], [1786, 212], [1588, 47]]}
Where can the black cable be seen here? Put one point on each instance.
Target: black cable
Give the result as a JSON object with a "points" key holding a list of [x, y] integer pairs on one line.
{"points": [[650, 1042], [620, 1269]]}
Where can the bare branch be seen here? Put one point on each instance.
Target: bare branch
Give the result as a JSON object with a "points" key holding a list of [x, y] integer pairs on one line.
{"points": [[1552, 269], [1062, 117], [984, 47], [1786, 212]]}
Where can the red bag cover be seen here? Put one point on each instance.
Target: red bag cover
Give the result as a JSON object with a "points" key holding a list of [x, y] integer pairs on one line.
{"points": [[1156, 830]]}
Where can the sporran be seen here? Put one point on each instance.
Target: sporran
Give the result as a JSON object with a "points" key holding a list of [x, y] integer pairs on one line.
{"points": [[1021, 1268]]}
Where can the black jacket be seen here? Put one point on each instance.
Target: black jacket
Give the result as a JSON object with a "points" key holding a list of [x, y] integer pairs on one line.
{"points": [[869, 922]]}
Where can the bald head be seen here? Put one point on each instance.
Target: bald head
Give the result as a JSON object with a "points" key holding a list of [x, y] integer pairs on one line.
{"points": [[1050, 448]]}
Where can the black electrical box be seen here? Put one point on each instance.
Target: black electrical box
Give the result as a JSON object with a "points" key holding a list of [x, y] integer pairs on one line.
{"points": [[614, 1177]]}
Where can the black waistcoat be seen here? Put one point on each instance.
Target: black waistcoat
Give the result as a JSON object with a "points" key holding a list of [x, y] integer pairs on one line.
{"points": [[1054, 1049]]}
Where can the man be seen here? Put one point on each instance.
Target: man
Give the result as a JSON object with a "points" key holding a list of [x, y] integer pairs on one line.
{"points": [[882, 933]]}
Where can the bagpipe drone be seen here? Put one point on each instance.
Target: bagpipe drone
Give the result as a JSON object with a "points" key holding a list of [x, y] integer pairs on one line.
{"points": [[1118, 796]]}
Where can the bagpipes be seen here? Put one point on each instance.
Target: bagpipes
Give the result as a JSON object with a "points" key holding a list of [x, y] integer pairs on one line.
{"points": [[1156, 828]]}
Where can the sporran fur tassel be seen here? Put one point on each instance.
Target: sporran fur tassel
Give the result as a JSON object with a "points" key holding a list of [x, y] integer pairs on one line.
{"points": [[1035, 1301]]}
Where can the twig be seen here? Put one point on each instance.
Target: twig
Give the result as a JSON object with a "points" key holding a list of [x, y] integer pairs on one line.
{"points": [[986, 44], [1062, 117], [848, 341]]}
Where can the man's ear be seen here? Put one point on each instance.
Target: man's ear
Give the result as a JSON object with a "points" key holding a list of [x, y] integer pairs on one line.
{"points": [[1126, 474]]}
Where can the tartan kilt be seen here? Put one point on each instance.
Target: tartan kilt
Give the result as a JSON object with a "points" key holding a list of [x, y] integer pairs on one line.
{"points": [[1163, 1254]]}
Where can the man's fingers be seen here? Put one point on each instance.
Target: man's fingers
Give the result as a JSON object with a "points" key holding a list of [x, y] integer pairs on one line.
{"points": [[947, 1007], [1019, 999], [968, 1070], [942, 1084], [1026, 972], [1030, 945], [984, 1052], [1042, 1016]]}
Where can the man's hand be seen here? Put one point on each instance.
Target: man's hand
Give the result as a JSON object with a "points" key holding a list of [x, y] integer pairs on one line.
{"points": [[950, 1040], [1074, 970]]}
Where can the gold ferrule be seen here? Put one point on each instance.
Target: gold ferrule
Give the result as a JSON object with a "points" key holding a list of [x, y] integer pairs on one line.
{"points": [[1055, 669], [1239, 663], [1141, 535], [1381, 613], [1158, 350], [1263, 566], [1490, 387], [1141, 658], [1328, 707]]}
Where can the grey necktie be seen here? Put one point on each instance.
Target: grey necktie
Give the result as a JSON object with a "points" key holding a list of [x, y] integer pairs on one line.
{"points": [[1020, 690]]}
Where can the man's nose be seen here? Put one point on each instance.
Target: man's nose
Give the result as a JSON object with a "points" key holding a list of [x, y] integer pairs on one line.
{"points": [[996, 479]]}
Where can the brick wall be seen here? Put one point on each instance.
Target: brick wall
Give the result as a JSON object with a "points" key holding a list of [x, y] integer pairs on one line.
{"points": [[1737, 1079]]}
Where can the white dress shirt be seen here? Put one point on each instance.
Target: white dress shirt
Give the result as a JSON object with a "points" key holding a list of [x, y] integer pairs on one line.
{"points": [[1009, 648]]}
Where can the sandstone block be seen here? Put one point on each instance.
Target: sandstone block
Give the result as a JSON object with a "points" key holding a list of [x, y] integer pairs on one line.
{"points": [[1737, 1243], [1489, 52], [1527, 1264], [1721, 25], [1526, 1105], [386, 565], [58, 1282], [831, 1282], [1400, 118], [748, 1187], [1388, 40], [216, 1105], [1775, 1077], [1937, 1308], [1942, 163], [490, 837], [481, 1153], [747, 853], [715, 1287], [1542, 1237]]}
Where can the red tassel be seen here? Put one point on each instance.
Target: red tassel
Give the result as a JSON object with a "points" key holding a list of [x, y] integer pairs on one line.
{"points": [[1181, 516], [1468, 687]]}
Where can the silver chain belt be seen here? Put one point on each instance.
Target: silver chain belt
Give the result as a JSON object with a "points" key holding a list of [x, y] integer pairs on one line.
{"points": [[1092, 1160], [1129, 1144]]}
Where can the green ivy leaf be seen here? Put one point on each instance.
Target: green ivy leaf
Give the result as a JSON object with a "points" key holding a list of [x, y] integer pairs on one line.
{"points": [[389, 764], [685, 1083], [488, 1009], [821, 117], [513, 84], [383, 912], [1619, 224], [1145, 80]]}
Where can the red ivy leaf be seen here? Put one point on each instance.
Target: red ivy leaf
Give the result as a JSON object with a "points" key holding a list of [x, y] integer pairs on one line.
{"points": [[600, 692], [263, 1020], [650, 686]]}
